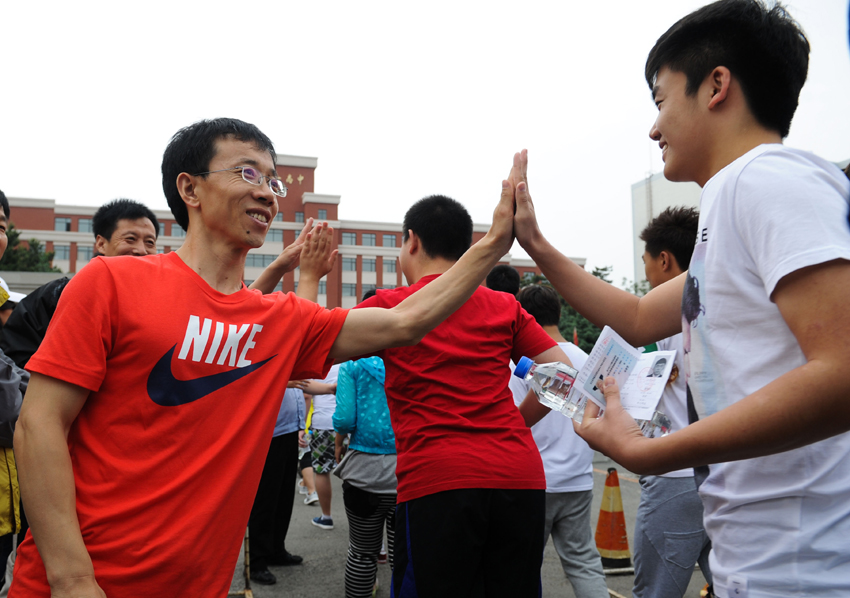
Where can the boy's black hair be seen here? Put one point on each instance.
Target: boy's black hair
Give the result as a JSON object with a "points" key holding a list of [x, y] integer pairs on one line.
{"points": [[192, 149], [764, 48], [5, 205], [503, 278], [369, 294], [673, 230], [105, 220], [542, 303], [442, 224]]}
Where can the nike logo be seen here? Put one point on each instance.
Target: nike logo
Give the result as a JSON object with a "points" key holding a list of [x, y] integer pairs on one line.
{"points": [[166, 390]]}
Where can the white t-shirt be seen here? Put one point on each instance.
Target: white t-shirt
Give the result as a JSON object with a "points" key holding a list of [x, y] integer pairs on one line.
{"points": [[780, 525], [674, 401], [567, 459], [325, 405]]}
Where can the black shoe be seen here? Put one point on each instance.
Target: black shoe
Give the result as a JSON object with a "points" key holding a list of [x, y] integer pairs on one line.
{"points": [[286, 560], [264, 577]]}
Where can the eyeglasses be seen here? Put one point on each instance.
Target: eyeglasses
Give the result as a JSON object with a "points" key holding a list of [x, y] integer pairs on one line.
{"points": [[253, 176]]}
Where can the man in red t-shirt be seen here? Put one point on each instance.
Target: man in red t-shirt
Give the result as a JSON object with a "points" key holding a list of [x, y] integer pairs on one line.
{"points": [[470, 478], [143, 436]]}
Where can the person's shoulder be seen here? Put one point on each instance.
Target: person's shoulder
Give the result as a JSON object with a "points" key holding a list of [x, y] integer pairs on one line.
{"points": [[778, 165]]}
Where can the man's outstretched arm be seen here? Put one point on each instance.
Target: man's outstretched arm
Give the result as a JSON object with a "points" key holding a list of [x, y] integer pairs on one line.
{"points": [[47, 484], [372, 329], [640, 321], [803, 406]]}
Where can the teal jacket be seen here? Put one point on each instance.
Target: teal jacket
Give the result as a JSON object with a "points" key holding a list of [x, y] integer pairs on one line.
{"points": [[361, 406]]}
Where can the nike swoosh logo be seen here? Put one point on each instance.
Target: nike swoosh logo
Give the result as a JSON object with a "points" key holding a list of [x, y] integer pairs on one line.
{"points": [[166, 390]]}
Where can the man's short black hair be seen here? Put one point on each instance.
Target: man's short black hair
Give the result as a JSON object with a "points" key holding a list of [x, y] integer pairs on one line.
{"points": [[542, 303], [503, 278], [105, 220], [764, 48], [442, 224], [673, 230], [192, 149], [5, 204]]}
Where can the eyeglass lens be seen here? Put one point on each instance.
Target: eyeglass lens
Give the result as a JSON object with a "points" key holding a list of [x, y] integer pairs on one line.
{"points": [[253, 176]]}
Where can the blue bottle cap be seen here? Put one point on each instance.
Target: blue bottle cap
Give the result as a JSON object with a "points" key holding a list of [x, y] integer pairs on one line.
{"points": [[522, 367]]}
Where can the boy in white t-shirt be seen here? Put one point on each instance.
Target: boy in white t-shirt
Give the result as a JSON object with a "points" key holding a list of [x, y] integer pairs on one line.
{"points": [[762, 308]]}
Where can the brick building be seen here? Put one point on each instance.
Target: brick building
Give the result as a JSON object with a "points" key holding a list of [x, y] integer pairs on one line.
{"points": [[367, 250]]}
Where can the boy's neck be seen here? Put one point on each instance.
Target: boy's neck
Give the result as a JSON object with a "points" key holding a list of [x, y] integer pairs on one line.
{"points": [[554, 333], [738, 140]]}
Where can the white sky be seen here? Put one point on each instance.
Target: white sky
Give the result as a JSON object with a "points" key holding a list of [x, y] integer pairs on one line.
{"points": [[397, 100]]}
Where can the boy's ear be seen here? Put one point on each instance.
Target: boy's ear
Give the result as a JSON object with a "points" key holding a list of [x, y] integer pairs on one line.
{"points": [[100, 244], [665, 260], [414, 245], [720, 79]]}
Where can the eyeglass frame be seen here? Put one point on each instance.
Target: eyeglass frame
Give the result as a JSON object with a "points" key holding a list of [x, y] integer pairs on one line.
{"points": [[242, 173]]}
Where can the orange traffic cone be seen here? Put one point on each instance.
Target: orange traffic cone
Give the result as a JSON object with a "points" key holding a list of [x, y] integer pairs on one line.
{"points": [[611, 539]]}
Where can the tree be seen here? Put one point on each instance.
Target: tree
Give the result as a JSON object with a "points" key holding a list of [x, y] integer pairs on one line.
{"points": [[26, 256]]}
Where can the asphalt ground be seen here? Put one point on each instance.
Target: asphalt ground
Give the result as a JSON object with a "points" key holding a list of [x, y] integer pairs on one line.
{"points": [[321, 575]]}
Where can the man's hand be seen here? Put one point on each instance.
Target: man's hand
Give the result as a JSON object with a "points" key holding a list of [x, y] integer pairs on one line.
{"points": [[502, 229], [616, 435], [302, 439], [299, 384], [525, 220]]}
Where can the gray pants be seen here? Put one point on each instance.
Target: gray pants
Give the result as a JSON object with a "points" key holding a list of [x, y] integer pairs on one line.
{"points": [[568, 520], [669, 537]]}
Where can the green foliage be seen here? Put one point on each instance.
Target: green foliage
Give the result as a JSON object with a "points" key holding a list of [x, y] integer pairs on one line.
{"points": [[25, 257], [636, 288]]}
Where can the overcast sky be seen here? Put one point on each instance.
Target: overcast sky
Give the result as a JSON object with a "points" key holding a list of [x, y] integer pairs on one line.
{"points": [[396, 100]]}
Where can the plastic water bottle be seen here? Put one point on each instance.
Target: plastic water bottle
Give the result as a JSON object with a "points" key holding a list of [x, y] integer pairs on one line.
{"points": [[551, 383]]}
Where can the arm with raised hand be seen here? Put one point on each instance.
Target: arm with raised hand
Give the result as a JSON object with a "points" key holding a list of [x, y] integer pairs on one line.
{"points": [[771, 420], [317, 259], [372, 329], [47, 485], [287, 261], [640, 321]]}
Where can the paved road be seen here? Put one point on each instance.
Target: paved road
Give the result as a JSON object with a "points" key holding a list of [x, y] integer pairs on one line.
{"points": [[321, 574]]}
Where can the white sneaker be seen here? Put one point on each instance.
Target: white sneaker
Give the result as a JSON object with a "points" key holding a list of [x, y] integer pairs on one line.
{"points": [[302, 489], [311, 499]]}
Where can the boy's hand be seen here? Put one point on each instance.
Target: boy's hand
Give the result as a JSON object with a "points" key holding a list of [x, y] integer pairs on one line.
{"points": [[617, 434], [318, 254], [525, 219]]}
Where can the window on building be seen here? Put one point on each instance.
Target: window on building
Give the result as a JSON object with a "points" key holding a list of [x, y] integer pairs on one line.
{"points": [[161, 229], [275, 235], [389, 286], [323, 287], [177, 230], [369, 265], [62, 224], [278, 217], [84, 255], [389, 265], [389, 240], [61, 252], [258, 260], [368, 287], [349, 264], [349, 290], [299, 216], [84, 225], [323, 214], [160, 249], [369, 239], [349, 238]]}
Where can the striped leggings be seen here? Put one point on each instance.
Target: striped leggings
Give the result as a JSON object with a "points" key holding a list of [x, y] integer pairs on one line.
{"points": [[368, 513]]}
